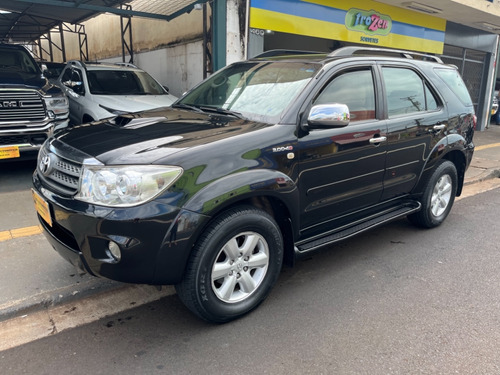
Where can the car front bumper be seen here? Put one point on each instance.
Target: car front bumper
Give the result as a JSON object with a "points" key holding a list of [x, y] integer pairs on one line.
{"points": [[155, 239]]}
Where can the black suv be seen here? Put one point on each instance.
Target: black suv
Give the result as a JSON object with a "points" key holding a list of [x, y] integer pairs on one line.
{"points": [[265, 161]]}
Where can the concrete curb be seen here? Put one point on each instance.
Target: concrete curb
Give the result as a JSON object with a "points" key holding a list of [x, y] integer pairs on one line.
{"points": [[49, 321], [56, 297], [486, 175]]}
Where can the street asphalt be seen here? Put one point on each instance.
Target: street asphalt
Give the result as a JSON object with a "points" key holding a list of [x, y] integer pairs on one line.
{"points": [[51, 281]]}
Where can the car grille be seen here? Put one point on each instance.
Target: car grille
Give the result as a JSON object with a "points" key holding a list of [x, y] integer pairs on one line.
{"points": [[21, 105], [60, 174], [26, 139]]}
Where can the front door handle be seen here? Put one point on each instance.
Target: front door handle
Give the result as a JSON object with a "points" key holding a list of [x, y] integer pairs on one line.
{"points": [[378, 140], [439, 127]]}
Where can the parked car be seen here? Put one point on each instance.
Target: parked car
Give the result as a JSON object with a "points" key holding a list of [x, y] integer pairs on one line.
{"points": [[265, 162], [97, 91], [31, 108]]}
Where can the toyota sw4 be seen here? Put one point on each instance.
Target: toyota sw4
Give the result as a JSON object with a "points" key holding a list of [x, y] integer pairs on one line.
{"points": [[266, 161]]}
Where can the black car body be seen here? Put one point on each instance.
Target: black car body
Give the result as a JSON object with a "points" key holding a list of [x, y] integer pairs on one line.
{"points": [[271, 163]]}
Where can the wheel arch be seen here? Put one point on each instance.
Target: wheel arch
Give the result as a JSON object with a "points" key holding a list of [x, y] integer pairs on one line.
{"points": [[451, 148], [87, 118], [458, 158], [271, 191]]}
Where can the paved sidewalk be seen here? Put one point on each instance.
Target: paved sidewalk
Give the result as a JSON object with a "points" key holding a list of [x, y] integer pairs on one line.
{"points": [[34, 277], [486, 161]]}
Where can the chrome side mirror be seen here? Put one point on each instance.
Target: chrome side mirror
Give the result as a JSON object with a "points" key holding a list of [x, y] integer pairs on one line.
{"points": [[328, 116]]}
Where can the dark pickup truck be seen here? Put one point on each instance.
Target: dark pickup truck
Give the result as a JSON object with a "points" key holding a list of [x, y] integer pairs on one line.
{"points": [[31, 108], [266, 161]]}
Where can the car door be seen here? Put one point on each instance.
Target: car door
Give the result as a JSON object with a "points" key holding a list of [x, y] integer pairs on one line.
{"points": [[416, 122], [342, 169]]}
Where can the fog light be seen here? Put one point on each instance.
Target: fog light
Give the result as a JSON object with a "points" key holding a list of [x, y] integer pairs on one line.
{"points": [[115, 251]]}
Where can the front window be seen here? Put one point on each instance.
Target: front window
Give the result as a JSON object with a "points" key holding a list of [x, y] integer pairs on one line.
{"points": [[354, 88], [260, 91], [123, 82]]}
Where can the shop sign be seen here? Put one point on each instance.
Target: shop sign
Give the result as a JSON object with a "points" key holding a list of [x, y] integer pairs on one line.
{"points": [[361, 21], [369, 22]]}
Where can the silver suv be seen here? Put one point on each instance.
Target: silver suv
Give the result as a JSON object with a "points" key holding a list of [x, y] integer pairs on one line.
{"points": [[97, 91]]}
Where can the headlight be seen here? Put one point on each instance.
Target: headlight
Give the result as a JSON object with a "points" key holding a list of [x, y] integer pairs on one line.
{"points": [[57, 105], [125, 186]]}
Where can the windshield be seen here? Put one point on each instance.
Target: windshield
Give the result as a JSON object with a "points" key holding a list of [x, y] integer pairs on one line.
{"points": [[258, 90], [17, 61], [123, 82]]}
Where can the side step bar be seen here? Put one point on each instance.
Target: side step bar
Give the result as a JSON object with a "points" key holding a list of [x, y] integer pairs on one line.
{"points": [[304, 248]]}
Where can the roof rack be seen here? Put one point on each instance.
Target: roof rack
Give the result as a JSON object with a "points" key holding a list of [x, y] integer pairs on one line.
{"points": [[128, 65], [285, 52], [353, 50]]}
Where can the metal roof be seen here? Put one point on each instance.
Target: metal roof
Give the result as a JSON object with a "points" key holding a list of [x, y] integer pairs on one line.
{"points": [[23, 21]]}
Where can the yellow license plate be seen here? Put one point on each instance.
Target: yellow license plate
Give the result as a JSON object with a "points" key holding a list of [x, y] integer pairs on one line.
{"points": [[9, 152], [42, 207], [492, 112]]}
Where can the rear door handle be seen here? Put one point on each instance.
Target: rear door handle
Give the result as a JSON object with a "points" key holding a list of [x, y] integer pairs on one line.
{"points": [[378, 140]]}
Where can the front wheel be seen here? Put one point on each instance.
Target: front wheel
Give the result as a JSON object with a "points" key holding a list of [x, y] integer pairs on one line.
{"points": [[234, 265], [438, 197]]}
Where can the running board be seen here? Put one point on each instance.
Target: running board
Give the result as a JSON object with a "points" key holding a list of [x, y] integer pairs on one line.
{"points": [[360, 226]]}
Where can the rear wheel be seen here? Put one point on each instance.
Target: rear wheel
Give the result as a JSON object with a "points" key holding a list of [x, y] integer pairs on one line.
{"points": [[438, 197], [234, 265]]}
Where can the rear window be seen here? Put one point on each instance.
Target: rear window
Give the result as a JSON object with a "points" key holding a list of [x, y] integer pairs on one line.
{"points": [[123, 82], [453, 80]]}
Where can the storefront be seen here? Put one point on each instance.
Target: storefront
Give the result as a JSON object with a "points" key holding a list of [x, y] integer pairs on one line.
{"points": [[325, 25]]}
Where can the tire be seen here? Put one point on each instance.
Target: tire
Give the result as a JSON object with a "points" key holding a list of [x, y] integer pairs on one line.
{"points": [[233, 266], [438, 196]]}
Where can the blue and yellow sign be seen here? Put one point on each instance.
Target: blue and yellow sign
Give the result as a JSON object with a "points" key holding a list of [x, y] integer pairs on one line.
{"points": [[362, 21]]}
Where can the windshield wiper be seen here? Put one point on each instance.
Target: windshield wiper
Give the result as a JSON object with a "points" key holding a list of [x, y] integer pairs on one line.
{"points": [[222, 111], [209, 109], [187, 106]]}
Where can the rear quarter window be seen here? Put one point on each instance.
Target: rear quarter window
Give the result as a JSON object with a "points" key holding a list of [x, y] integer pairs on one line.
{"points": [[455, 83]]}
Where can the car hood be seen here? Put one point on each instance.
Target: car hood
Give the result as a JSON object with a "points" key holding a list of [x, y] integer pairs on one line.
{"points": [[146, 137], [134, 103], [12, 79]]}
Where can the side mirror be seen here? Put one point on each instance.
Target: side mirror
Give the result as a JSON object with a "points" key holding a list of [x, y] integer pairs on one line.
{"points": [[324, 116], [77, 87]]}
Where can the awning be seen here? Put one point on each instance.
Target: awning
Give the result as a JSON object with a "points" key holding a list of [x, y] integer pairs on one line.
{"points": [[23, 21]]}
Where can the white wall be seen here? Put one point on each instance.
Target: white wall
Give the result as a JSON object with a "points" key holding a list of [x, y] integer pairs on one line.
{"points": [[179, 67]]}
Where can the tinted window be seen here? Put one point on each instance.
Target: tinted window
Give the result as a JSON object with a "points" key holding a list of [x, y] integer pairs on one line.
{"points": [[18, 61], [404, 90], [123, 82], [456, 84], [66, 76], [354, 88], [430, 100]]}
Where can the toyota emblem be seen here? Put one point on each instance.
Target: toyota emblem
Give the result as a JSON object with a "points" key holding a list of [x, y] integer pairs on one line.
{"points": [[45, 166]]}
